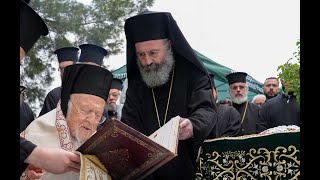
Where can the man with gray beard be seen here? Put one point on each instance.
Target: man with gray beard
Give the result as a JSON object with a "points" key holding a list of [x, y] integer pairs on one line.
{"points": [[238, 90], [166, 79]]}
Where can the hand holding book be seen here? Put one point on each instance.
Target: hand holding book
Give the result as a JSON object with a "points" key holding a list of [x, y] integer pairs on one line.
{"points": [[128, 154]]}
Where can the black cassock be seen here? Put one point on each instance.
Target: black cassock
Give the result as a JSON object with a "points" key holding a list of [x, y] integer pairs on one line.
{"points": [[277, 111], [26, 147], [51, 100], [228, 122], [26, 116], [249, 123], [191, 98]]}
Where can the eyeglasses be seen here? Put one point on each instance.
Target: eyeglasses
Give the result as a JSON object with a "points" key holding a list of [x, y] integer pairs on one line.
{"points": [[87, 115]]}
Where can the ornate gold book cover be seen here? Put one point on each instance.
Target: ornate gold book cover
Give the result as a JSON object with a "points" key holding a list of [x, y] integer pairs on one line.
{"points": [[125, 152]]}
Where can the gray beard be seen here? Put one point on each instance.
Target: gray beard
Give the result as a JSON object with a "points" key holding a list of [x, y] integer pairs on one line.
{"points": [[157, 74], [239, 100]]}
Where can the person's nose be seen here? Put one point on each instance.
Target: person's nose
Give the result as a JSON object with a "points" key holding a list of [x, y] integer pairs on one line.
{"points": [[148, 60]]}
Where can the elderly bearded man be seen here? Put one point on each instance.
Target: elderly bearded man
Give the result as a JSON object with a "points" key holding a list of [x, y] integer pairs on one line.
{"points": [[238, 90], [75, 120], [166, 79], [53, 160]]}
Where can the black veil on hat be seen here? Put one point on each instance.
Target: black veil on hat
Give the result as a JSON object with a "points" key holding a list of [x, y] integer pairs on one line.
{"points": [[67, 54], [31, 26], [236, 77], [151, 25], [116, 84], [85, 79], [92, 53]]}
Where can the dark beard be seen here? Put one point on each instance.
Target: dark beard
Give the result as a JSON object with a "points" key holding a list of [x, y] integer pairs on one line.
{"points": [[269, 97]]}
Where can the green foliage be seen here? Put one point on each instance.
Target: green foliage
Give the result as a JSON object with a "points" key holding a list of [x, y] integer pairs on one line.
{"points": [[72, 23], [290, 73]]}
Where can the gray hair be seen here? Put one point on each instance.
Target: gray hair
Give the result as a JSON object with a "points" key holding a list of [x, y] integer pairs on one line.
{"points": [[258, 96]]}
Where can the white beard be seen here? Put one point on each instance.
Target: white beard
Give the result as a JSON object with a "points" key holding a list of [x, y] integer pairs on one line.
{"points": [[76, 141], [157, 74], [239, 100]]}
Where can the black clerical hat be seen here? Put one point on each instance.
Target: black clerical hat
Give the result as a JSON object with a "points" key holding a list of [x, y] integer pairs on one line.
{"points": [[236, 77], [212, 79], [67, 54], [151, 25], [92, 53], [116, 84], [148, 25], [27, 1], [86, 79], [31, 27]]}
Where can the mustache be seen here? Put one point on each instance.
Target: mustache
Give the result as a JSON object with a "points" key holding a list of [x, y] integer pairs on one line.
{"points": [[150, 67]]}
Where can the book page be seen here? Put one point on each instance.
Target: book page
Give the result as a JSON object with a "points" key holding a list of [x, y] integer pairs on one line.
{"points": [[92, 167], [167, 135]]}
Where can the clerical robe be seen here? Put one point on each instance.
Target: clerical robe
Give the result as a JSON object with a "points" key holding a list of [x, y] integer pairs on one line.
{"points": [[51, 100], [228, 122], [191, 98], [26, 116], [51, 130], [249, 116], [278, 111]]}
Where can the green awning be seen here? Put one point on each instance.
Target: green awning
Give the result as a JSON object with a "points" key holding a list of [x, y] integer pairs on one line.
{"points": [[220, 71]]}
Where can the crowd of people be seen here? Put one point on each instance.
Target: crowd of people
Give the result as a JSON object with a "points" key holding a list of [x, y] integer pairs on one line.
{"points": [[165, 79]]}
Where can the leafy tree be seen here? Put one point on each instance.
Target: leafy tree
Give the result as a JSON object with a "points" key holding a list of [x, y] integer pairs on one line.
{"points": [[290, 73], [72, 23]]}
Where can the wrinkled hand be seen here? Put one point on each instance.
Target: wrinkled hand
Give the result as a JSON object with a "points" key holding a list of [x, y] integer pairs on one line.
{"points": [[185, 129], [34, 172], [54, 160]]}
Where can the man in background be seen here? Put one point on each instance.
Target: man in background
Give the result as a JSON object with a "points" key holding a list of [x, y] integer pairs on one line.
{"points": [[271, 87], [280, 110], [228, 121], [66, 56], [259, 99], [238, 90]]}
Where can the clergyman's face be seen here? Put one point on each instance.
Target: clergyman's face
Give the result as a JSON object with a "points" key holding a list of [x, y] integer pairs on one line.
{"points": [[63, 65], [150, 52], [271, 87], [84, 115], [113, 97], [238, 92], [155, 61]]}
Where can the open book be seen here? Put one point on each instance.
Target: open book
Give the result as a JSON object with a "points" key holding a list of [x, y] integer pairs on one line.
{"points": [[124, 153]]}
